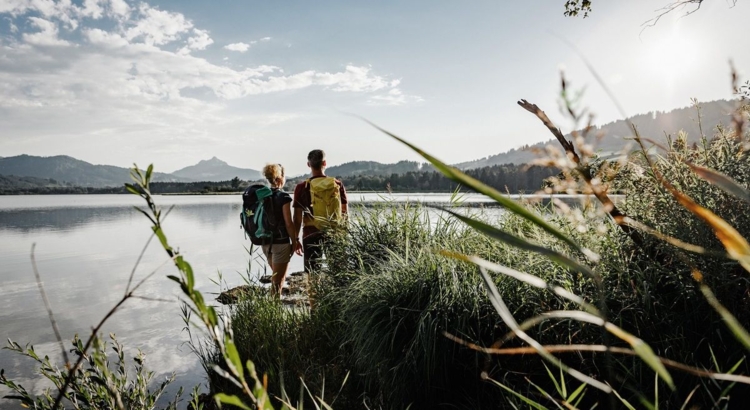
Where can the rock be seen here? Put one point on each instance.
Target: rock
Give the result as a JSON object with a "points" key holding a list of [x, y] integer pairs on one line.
{"points": [[230, 296], [294, 293], [267, 278]]}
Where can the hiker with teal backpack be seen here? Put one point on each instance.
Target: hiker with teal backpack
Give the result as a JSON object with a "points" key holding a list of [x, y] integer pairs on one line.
{"points": [[267, 219], [320, 206]]}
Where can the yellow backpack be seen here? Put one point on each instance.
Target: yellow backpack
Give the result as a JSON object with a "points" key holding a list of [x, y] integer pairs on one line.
{"points": [[325, 199]]}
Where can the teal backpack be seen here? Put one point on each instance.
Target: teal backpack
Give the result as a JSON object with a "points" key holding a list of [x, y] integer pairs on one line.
{"points": [[258, 216]]}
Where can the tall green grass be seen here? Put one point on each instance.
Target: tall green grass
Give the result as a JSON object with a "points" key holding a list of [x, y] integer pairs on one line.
{"points": [[388, 297]]}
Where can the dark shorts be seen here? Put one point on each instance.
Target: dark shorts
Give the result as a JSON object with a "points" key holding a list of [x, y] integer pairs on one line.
{"points": [[312, 246]]}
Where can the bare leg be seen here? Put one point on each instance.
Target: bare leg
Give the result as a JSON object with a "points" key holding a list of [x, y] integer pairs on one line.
{"points": [[277, 280]]}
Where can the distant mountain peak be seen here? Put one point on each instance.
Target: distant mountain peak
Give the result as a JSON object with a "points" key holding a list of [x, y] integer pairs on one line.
{"points": [[215, 169], [213, 161]]}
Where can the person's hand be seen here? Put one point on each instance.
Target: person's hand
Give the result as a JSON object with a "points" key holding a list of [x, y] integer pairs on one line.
{"points": [[297, 247]]}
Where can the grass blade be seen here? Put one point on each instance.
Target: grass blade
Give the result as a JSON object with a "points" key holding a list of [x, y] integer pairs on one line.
{"points": [[623, 401], [736, 245], [544, 393], [511, 205], [722, 181], [232, 400], [507, 317], [532, 280], [641, 348], [670, 239], [573, 396], [732, 323], [510, 239], [525, 399]]}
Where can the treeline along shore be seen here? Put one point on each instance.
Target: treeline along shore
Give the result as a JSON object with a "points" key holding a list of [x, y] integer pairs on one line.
{"points": [[511, 178]]}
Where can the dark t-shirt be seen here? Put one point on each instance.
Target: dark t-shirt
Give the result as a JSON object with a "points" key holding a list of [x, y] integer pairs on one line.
{"points": [[280, 198], [302, 200]]}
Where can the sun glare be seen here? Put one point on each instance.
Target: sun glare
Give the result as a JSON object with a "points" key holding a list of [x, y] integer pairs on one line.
{"points": [[673, 57]]}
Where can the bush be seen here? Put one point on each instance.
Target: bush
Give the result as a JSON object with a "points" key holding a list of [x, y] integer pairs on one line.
{"points": [[101, 384]]}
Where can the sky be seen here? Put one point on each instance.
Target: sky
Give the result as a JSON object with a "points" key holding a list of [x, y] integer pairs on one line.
{"points": [[171, 83]]}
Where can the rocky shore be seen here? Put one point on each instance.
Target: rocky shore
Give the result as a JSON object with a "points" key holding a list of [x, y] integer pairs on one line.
{"points": [[294, 292]]}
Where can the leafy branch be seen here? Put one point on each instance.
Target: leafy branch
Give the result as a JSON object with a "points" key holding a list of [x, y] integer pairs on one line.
{"points": [[220, 333]]}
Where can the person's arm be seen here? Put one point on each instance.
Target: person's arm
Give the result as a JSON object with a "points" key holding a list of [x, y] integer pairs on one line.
{"points": [[344, 201], [290, 229], [297, 224]]}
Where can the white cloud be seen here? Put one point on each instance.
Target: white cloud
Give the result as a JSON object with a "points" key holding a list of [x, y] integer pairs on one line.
{"points": [[357, 79], [13, 7], [199, 41], [394, 97], [119, 8], [47, 36], [241, 47], [93, 9], [158, 27], [103, 38], [66, 11], [117, 83]]}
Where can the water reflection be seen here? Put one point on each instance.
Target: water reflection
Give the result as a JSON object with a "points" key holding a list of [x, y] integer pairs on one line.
{"points": [[85, 248], [210, 216], [85, 253]]}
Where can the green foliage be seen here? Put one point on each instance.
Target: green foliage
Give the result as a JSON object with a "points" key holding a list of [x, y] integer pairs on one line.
{"points": [[240, 373], [506, 177], [102, 384], [575, 7], [386, 299], [349, 169], [646, 256], [395, 297]]}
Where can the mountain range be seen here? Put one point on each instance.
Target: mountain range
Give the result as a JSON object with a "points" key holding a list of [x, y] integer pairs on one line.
{"points": [[71, 171], [612, 137]]}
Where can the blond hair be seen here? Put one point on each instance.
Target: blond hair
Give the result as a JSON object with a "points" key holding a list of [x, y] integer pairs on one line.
{"points": [[273, 172]]}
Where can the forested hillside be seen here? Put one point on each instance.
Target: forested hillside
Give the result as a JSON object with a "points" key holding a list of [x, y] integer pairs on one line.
{"points": [[71, 171], [613, 136]]}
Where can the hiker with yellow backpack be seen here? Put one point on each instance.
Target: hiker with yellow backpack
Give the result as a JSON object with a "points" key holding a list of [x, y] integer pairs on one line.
{"points": [[319, 207]]}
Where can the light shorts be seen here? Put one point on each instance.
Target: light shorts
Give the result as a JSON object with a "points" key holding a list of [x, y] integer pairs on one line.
{"points": [[278, 252]]}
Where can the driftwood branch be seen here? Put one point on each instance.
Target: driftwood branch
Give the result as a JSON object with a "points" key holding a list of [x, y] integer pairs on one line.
{"points": [[584, 170]]}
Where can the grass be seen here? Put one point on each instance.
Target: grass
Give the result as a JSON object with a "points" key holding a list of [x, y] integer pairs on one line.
{"points": [[388, 296]]}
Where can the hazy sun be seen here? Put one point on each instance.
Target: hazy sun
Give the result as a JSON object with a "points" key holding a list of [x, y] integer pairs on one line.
{"points": [[671, 57]]}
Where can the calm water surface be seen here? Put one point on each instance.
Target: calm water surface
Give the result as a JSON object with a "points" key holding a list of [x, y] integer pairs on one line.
{"points": [[86, 247]]}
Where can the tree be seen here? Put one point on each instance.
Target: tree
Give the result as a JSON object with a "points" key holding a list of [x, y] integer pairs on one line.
{"points": [[574, 8], [236, 182]]}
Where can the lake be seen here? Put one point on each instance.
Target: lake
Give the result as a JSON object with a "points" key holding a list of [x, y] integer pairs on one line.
{"points": [[86, 248]]}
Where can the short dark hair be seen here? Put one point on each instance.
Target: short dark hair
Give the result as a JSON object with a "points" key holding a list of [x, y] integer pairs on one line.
{"points": [[316, 158]]}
